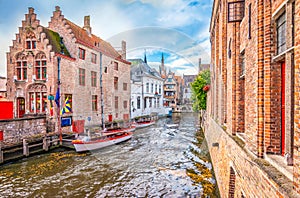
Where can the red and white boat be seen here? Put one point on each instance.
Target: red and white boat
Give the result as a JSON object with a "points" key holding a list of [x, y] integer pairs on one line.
{"points": [[87, 144], [143, 124], [127, 129]]}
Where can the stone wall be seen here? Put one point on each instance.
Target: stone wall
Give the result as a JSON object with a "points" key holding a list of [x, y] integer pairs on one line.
{"points": [[17, 129], [253, 176]]}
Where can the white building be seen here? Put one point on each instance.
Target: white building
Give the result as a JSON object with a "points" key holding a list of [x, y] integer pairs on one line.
{"points": [[146, 90]]}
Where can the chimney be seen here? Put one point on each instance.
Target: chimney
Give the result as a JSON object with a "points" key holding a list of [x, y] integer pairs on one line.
{"points": [[30, 10], [123, 50], [87, 26]]}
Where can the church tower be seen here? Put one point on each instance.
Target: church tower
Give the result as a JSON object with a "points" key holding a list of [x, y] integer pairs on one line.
{"points": [[162, 69]]}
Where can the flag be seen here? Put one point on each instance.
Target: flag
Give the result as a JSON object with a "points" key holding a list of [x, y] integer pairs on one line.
{"points": [[51, 108], [57, 96], [67, 107]]}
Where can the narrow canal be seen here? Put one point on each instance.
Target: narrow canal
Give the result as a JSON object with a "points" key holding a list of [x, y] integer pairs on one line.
{"points": [[156, 162]]}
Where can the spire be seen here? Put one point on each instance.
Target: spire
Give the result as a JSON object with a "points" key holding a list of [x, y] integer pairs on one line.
{"points": [[145, 57], [163, 69]]}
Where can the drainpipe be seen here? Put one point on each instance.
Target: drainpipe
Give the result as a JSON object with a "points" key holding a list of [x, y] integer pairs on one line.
{"points": [[260, 101]]}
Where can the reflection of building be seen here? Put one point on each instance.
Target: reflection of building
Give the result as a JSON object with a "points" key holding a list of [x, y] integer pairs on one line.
{"points": [[253, 104], [146, 90], [32, 70], [3, 81]]}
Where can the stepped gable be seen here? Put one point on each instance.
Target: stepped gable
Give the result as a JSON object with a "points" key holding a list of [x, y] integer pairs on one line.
{"points": [[90, 40], [55, 41]]}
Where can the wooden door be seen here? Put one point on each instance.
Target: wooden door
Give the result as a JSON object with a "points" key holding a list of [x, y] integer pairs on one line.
{"points": [[20, 107]]}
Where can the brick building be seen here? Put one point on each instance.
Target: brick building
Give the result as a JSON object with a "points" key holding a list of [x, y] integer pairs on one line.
{"points": [[3, 87], [253, 118], [32, 70]]}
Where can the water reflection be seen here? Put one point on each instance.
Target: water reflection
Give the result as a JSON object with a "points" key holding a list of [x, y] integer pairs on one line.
{"points": [[156, 162]]}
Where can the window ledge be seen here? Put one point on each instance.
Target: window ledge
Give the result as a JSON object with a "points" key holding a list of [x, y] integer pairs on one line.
{"points": [[281, 55], [277, 161]]}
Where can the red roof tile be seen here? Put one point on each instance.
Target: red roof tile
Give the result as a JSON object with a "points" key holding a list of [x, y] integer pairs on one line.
{"points": [[94, 42]]}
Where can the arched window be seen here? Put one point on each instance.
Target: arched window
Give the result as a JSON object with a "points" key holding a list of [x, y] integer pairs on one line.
{"points": [[30, 40], [21, 66], [37, 98], [40, 66]]}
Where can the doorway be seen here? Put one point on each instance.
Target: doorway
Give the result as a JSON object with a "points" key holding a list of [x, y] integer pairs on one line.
{"points": [[20, 107]]}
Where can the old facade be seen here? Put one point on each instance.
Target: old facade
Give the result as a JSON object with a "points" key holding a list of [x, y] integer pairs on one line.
{"points": [[91, 53], [146, 90], [252, 124], [32, 67], [32, 70]]}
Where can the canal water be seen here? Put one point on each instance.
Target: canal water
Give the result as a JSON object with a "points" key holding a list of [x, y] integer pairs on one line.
{"points": [[156, 162]]}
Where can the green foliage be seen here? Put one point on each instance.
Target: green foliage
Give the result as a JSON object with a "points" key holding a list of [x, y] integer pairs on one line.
{"points": [[198, 94]]}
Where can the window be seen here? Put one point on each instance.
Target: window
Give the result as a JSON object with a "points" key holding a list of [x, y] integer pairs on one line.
{"points": [[145, 103], [82, 77], [105, 70], [236, 11], [21, 70], [116, 83], [69, 96], [41, 67], [30, 40], [138, 102], [242, 62], [159, 89], [94, 58], [150, 102], [116, 66], [231, 183], [155, 88], [152, 87], [125, 104], [125, 86], [157, 102], [169, 79], [94, 103], [38, 102], [94, 79], [281, 37], [81, 53], [30, 44], [116, 102], [147, 87]]}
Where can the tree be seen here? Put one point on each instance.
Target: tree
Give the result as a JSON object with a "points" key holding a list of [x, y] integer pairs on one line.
{"points": [[199, 91]]}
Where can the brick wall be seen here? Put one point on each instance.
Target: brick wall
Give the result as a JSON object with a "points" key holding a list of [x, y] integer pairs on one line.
{"points": [[256, 104], [297, 102], [18, 129]]}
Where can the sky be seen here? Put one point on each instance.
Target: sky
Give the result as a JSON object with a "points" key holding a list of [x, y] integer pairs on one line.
{"points": [[177, 28]]}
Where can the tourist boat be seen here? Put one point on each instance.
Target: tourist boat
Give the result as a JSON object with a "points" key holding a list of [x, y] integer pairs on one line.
{"points": [[87, 144], [127, 129], [143, 124]]}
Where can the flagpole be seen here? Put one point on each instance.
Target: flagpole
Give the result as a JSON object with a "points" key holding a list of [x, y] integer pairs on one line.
{"points": [[58, 109]]}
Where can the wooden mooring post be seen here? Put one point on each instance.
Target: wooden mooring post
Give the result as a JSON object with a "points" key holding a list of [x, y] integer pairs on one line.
{"points": [[25, 148], [45, 144]]}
